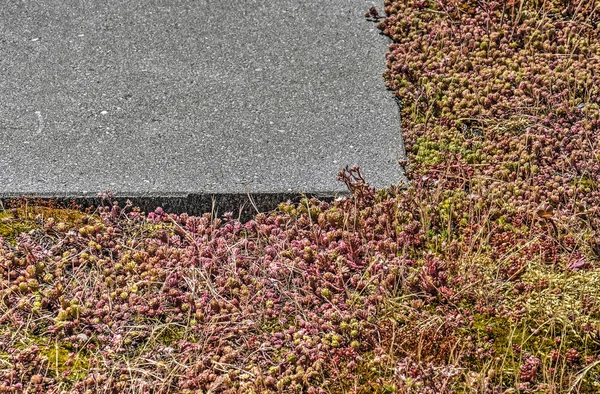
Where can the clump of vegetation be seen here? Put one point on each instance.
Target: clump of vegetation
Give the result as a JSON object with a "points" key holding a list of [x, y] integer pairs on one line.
{"points": [[479, 276]]}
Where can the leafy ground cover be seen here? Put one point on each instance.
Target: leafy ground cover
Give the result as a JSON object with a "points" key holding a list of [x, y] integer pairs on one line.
{"points": [[480, 276]]}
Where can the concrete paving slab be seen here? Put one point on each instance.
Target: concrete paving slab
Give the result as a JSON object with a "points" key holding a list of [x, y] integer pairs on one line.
{"points": [[192, 97]]}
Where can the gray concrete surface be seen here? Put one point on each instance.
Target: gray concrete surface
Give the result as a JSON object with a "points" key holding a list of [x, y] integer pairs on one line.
{"points": [[202, 97]]}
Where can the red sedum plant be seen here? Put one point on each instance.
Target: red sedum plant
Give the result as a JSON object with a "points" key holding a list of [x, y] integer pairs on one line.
{"points": [[481, 275]]}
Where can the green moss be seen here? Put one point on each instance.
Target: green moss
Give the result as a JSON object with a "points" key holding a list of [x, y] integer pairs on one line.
{"points": [[273, 325], [26, 218], [173, 333], [4, 358], [61, 358], [371, 376], [10, 227], [491, 326]]}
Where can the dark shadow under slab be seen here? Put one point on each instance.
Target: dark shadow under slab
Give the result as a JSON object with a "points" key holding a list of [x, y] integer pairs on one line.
{"points": [[243, 206]]}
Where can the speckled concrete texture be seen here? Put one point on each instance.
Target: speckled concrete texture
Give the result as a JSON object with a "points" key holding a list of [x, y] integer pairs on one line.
{"points": [[192, 97]]}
